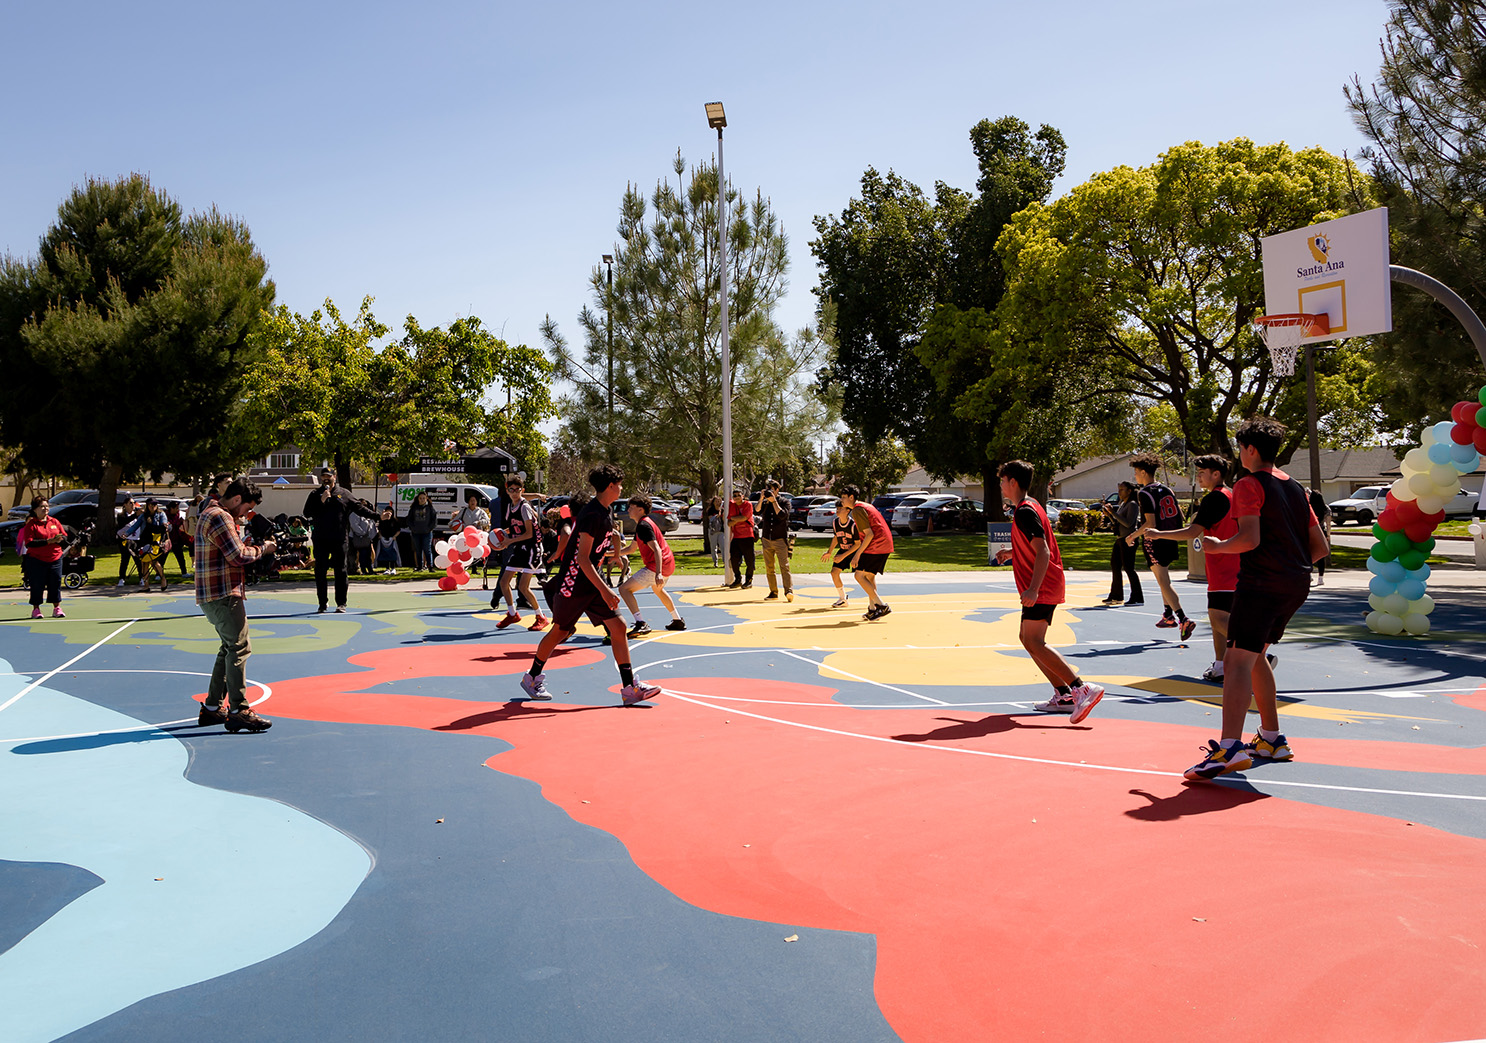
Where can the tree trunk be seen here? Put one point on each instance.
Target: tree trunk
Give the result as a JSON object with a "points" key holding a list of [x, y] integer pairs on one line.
{"points": [[707, 485], [342, 470], [995, 510], [108, 484]]}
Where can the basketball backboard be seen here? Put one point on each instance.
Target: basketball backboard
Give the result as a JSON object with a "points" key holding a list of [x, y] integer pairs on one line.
{"points": [[1336, 268]]}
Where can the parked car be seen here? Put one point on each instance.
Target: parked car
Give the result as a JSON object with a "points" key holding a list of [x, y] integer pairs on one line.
{"points": [[1462, 505], [823, 515], [664, 517], [695, 511], [918, 514], [960, 516], [898, 519], [1363, 506], [62, 499], [10, 529], [1068, 505], [886, 502], [801, 506]]}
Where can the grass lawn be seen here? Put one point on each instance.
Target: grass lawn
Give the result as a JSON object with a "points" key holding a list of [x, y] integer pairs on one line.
{"points": [[955, 553]]}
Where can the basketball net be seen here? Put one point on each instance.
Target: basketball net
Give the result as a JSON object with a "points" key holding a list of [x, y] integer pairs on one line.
{"points": [[1283, 334]]}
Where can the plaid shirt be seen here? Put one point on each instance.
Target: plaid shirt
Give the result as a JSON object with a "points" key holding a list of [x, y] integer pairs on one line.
{"points": [[220, 555]]}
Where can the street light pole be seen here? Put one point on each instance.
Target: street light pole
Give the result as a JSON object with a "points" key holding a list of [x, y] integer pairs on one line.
{"points": [[609, 322], [717, 119]]}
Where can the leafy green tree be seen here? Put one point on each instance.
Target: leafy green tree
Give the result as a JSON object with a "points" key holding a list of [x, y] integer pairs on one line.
{"points": [[325, 387], [1143, 283], [1426, 117], [667, 350], [872, 466], [903, 272], [126, 342]]}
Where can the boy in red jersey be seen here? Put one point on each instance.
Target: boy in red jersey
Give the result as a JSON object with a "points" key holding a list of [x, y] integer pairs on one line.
{"points": [[1037, 566], [1278, 539], [1214, 518], [870, 558], [658, 564]]}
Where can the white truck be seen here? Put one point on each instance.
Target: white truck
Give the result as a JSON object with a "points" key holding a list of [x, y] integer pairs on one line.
{"points": [[445, 496]]}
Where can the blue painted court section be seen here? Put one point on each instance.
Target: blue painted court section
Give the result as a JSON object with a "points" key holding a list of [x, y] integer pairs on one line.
{"points": [[173, 883]]}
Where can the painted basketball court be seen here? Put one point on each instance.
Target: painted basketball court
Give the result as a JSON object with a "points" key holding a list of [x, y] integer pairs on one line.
{"points": [[825, 830]]}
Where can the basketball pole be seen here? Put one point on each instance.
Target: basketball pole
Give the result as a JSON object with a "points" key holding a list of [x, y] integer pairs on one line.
{"points": [[1449, 298], [1311, 418]]}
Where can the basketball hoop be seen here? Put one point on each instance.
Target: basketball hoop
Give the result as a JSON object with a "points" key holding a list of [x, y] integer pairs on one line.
{"points": [[1282, 335]]}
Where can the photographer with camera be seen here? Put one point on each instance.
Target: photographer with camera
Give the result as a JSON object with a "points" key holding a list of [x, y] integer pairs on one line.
{"points": [[773, 517]]}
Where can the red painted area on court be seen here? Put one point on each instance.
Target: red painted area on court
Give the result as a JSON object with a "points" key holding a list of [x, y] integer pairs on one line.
{"points": [[1010, 899], [1473, 700]]}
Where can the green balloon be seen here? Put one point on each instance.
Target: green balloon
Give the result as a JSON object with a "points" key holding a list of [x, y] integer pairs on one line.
{"points": [[1398, 542], [1411, 559], [1481, 417], [1380, 552], [1481, 395], [1426, 545], [1378, 532]]}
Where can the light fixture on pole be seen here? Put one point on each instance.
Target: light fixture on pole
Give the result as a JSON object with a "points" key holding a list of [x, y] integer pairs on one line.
{"points": [[717, 119], [609, 323]]}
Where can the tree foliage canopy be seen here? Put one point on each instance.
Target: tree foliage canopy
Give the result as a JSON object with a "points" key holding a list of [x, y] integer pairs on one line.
{"points": [[1143, 283], [667, 347], [1426, 117], [125, 343], [871, 466], [326, 388]]}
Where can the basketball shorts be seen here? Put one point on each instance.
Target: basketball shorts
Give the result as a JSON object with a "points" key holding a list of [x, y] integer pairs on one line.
{"points": [[1159, 552], [1259, 617], [1038, 613], [1220, 601], [569, 609], [876, 563]]}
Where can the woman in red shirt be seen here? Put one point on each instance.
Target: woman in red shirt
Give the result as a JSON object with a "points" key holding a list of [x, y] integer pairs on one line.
{"points": [[43, 537]]}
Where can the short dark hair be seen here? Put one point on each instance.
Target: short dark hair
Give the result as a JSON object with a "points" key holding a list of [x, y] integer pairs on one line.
{"points": [[772, 483], [244, 487], [605, 475], [1150, 463], [853, 491], [640, 500], [1213, 462], [1018, 471], [1263, 435], [515, 480]]}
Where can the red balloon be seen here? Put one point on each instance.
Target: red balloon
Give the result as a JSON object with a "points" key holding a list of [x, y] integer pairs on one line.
{"points": [[1460, 411], [1408, 511], [1418, 531], [1478, 436], [1393, 501], [447, 583], [1434, 519], [1390, 520], [1462, 434]]}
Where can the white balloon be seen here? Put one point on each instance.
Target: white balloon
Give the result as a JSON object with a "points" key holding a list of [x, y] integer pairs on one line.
{"points": [[1416, 624], [441, 547], [1424, 606], [1394, 604], [1475, 529], [1401, 490], [1421, 485], [1384, 623], [441, 561], [1417, 460], [457, 543], [1428, 437], [1431, 504], [1375, 601], [1444, 476]]}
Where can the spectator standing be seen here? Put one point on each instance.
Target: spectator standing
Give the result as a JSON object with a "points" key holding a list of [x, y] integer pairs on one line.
{"points": [[220, 555], [420, 522], [327, 509], [712, 527], [361, 535], [1322, 512], [1126, 517], [44, 539], [740, 518], [387, 529], [150, 533], [180, 537], [123, 519], [774, 522]]}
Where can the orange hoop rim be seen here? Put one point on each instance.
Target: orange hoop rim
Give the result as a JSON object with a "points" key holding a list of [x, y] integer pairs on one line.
{"points": [[1315, 325]]}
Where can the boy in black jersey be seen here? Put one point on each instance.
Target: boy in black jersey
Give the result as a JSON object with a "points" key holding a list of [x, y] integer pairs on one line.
{"points": [[1278, 538], [580, 589], [1159, 509]]}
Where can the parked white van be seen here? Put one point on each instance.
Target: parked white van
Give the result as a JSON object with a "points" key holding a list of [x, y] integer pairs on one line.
{"points": [[446, 497]]}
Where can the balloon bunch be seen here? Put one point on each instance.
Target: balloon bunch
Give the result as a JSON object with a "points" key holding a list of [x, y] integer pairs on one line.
{"points": [[453, 555], [1416, 505]]}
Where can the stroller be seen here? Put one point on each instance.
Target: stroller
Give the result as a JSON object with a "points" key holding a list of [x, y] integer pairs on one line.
{"points": [[76, 561]]}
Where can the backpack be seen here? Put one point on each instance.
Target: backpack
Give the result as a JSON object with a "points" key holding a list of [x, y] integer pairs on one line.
{"points": [[362, 530]]}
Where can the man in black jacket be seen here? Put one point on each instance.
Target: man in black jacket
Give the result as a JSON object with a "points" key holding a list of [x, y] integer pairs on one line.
{"points": [[327, 510]]}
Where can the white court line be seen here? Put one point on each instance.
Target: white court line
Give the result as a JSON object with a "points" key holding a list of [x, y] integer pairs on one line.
{"points": [[864, 680], [267, 693], [43, 679], [700, 700]]}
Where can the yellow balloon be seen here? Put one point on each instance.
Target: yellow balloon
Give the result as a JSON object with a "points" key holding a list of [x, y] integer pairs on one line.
{"points": [[1416, 624]]}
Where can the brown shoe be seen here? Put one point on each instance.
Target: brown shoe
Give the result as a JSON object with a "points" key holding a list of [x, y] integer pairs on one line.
{"points": [[211, 715], [237, 720]]}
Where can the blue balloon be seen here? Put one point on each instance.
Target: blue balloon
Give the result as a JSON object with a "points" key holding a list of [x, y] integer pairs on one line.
{"points": [[1393, 572], [1375, 566], [1464, 454], [1421, 574], [1442, 431], [1411, 589], [1439, 453], [1382, 587]]}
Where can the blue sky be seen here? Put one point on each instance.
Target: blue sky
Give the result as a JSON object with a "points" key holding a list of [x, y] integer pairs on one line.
{"points": [[460, 158]]}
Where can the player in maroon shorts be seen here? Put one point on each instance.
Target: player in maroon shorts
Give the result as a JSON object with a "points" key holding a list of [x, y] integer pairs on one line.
{"points": [[1037, 566], [1278, 539], [580, 589]]}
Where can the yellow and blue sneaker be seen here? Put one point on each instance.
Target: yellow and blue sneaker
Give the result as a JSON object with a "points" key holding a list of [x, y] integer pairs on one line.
{"points": [[1220, 760], [1262, 749]]}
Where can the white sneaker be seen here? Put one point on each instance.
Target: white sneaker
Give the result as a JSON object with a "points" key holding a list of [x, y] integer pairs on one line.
{"points": [[839, 603], [535, 687], [638, 692], [120, 583], [1085, 697], [1057, 704]]}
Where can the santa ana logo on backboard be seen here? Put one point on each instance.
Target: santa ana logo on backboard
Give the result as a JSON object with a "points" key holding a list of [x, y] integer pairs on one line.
{"points": [[1336, 268]]}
